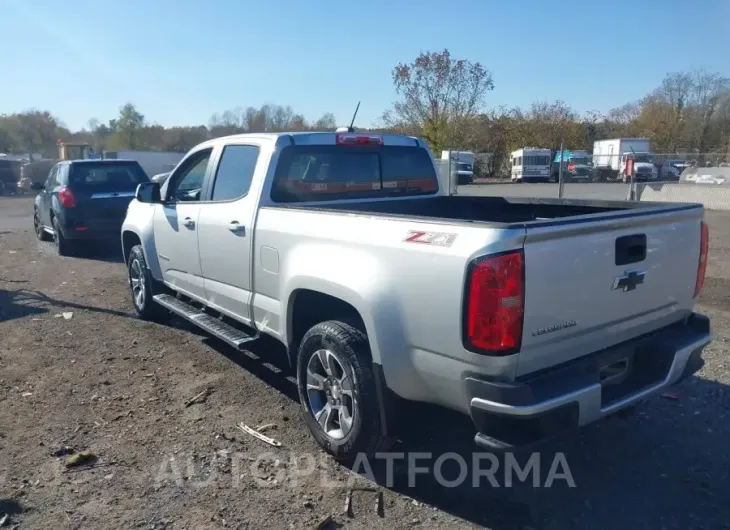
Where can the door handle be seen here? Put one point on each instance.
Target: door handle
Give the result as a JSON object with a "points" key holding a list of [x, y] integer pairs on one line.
{"points": [[188, 222], [237, 227]]}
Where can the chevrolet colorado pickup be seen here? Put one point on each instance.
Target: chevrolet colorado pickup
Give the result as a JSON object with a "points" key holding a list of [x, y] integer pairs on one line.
{"points": [[531, 316]]}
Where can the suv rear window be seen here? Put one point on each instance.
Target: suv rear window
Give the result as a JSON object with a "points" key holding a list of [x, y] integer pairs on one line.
{"points": [[106, 176], [334, 172]]}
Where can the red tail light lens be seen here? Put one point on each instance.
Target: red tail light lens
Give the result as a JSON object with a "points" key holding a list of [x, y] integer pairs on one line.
{"points": [[359, 139], [494, 305], [66, 197], [702, 265]]}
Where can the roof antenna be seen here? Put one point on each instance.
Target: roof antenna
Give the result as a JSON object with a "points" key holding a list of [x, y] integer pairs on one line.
{"points": [[351, 128]]}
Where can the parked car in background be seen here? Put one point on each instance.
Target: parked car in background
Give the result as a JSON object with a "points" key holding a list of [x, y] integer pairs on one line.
{"points": [[609, 158], [9, 176], [530, 164], [645, 168], [577, 167], [672, 169], [34, 174], [85, 201], [464, 161], [531, 316]]}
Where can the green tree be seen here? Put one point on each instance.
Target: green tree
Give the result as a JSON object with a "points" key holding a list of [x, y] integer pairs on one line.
{"points": [[127, 129]]}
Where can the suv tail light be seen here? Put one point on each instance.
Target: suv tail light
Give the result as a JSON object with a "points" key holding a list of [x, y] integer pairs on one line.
{"points": [[702, 265], [494, 304], [66, 197]]}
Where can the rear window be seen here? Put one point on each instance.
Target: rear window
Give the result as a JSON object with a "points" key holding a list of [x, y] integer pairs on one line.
{"points": [[333, 172], [123, 176]]}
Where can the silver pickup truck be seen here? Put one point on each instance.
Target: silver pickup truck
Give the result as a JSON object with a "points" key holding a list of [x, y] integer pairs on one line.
{"points": [[532, 316]]}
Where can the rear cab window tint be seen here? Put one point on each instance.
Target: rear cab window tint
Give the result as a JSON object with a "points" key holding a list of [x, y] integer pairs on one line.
{"points": [[106, 176], [335, 172]]}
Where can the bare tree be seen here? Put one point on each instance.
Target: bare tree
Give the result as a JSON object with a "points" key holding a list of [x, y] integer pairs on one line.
{"points": [[708, 90], [438, 94]]}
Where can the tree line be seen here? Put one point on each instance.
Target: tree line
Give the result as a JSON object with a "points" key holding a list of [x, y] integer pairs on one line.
{"points": [[442, 99], [36, 131]]}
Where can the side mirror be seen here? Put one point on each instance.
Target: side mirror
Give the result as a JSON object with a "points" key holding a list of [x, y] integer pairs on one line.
{"points": [[37, 186], [148, 192]]}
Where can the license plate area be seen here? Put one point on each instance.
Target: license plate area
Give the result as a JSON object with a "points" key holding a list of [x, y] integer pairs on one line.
{"points": [[631, 373]]}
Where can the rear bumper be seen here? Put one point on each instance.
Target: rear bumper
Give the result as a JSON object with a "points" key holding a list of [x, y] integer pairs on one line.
{"points": [[83, 229], [546, 404]]}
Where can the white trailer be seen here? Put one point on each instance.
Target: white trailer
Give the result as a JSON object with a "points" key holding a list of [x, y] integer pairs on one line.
{"points": [[153, 162], [530, 164], [609, 156], [464, 161]]}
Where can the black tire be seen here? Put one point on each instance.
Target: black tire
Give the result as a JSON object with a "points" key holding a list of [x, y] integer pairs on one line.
{"points": [[349, 344], [145, 307], [40, 232], [63, 245]]}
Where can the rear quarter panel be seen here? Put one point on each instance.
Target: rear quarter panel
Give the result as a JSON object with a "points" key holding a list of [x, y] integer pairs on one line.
{"points": [[409, 295]]}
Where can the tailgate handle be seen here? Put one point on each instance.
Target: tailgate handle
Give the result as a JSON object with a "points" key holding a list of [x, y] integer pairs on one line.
{"points": [[630, 249]]}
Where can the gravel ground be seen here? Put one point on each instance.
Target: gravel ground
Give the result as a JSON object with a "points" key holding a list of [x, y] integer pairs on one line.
{"points": [[105, 382]]}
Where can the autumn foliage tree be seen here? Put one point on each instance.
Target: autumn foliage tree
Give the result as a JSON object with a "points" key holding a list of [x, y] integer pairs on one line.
{"points": [[438, 96]]}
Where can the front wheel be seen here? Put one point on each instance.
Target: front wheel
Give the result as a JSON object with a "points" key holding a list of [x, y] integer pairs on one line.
{"points": [[337, 390], [141, 284]]}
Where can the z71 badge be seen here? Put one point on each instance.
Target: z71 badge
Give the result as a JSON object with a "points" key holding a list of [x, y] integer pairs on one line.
{"points": [[440, 239]]}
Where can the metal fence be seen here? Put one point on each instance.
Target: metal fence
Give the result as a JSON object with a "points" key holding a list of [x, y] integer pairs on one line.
{"points": [[709, 186]]}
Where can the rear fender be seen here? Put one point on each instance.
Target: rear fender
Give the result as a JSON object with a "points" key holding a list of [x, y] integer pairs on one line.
{"points": [[355, 277]]}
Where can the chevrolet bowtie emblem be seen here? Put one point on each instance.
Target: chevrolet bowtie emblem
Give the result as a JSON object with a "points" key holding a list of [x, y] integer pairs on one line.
{"points": [[629, 280]]}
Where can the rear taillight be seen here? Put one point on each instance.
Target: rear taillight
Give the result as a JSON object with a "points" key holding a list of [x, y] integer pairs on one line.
{"points": [[702, 265], [66, 197], [359, 139], [494, 305]]}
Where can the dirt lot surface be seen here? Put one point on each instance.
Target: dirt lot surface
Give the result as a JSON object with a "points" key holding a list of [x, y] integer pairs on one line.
{"points": [[105, 382]]}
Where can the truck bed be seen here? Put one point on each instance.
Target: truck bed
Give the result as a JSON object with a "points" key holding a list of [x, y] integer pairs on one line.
{"points": [[575, 253], [505, 212]]}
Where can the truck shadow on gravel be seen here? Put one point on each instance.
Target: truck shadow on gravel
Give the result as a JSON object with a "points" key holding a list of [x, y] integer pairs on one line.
{"points": [[21, 303], [665, 466], [104, 251]]}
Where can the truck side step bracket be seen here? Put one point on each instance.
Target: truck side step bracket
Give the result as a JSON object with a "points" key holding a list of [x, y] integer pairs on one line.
{"points": [[216, 327]]}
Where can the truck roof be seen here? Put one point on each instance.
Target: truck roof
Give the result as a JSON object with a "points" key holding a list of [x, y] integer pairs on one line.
{"points": [[100, 161], [324, 138]]}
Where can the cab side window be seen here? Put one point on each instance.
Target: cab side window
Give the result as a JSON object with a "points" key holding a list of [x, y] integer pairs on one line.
{"points": [[235, 172], [186, 183]]}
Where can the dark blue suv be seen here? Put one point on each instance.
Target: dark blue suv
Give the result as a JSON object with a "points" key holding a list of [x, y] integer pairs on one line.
{"points": [[85, 200]]}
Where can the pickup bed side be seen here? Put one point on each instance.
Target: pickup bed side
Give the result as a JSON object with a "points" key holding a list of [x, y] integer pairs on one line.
{"points": [[409, 295]]}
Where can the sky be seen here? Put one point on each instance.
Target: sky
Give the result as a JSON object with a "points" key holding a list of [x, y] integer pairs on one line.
{"points": [[180, 61]]}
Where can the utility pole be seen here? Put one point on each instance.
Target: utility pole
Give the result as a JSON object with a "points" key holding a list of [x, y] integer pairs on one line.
{"points": [[560, 173]]}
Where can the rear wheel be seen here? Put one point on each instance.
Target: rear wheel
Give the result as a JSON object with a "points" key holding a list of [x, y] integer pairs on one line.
{"points": [[63, 245], [337, 390], [40, 231]]}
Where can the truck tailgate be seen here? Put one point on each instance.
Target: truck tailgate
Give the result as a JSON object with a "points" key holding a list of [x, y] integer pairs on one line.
{"points": [[594, 282]]}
